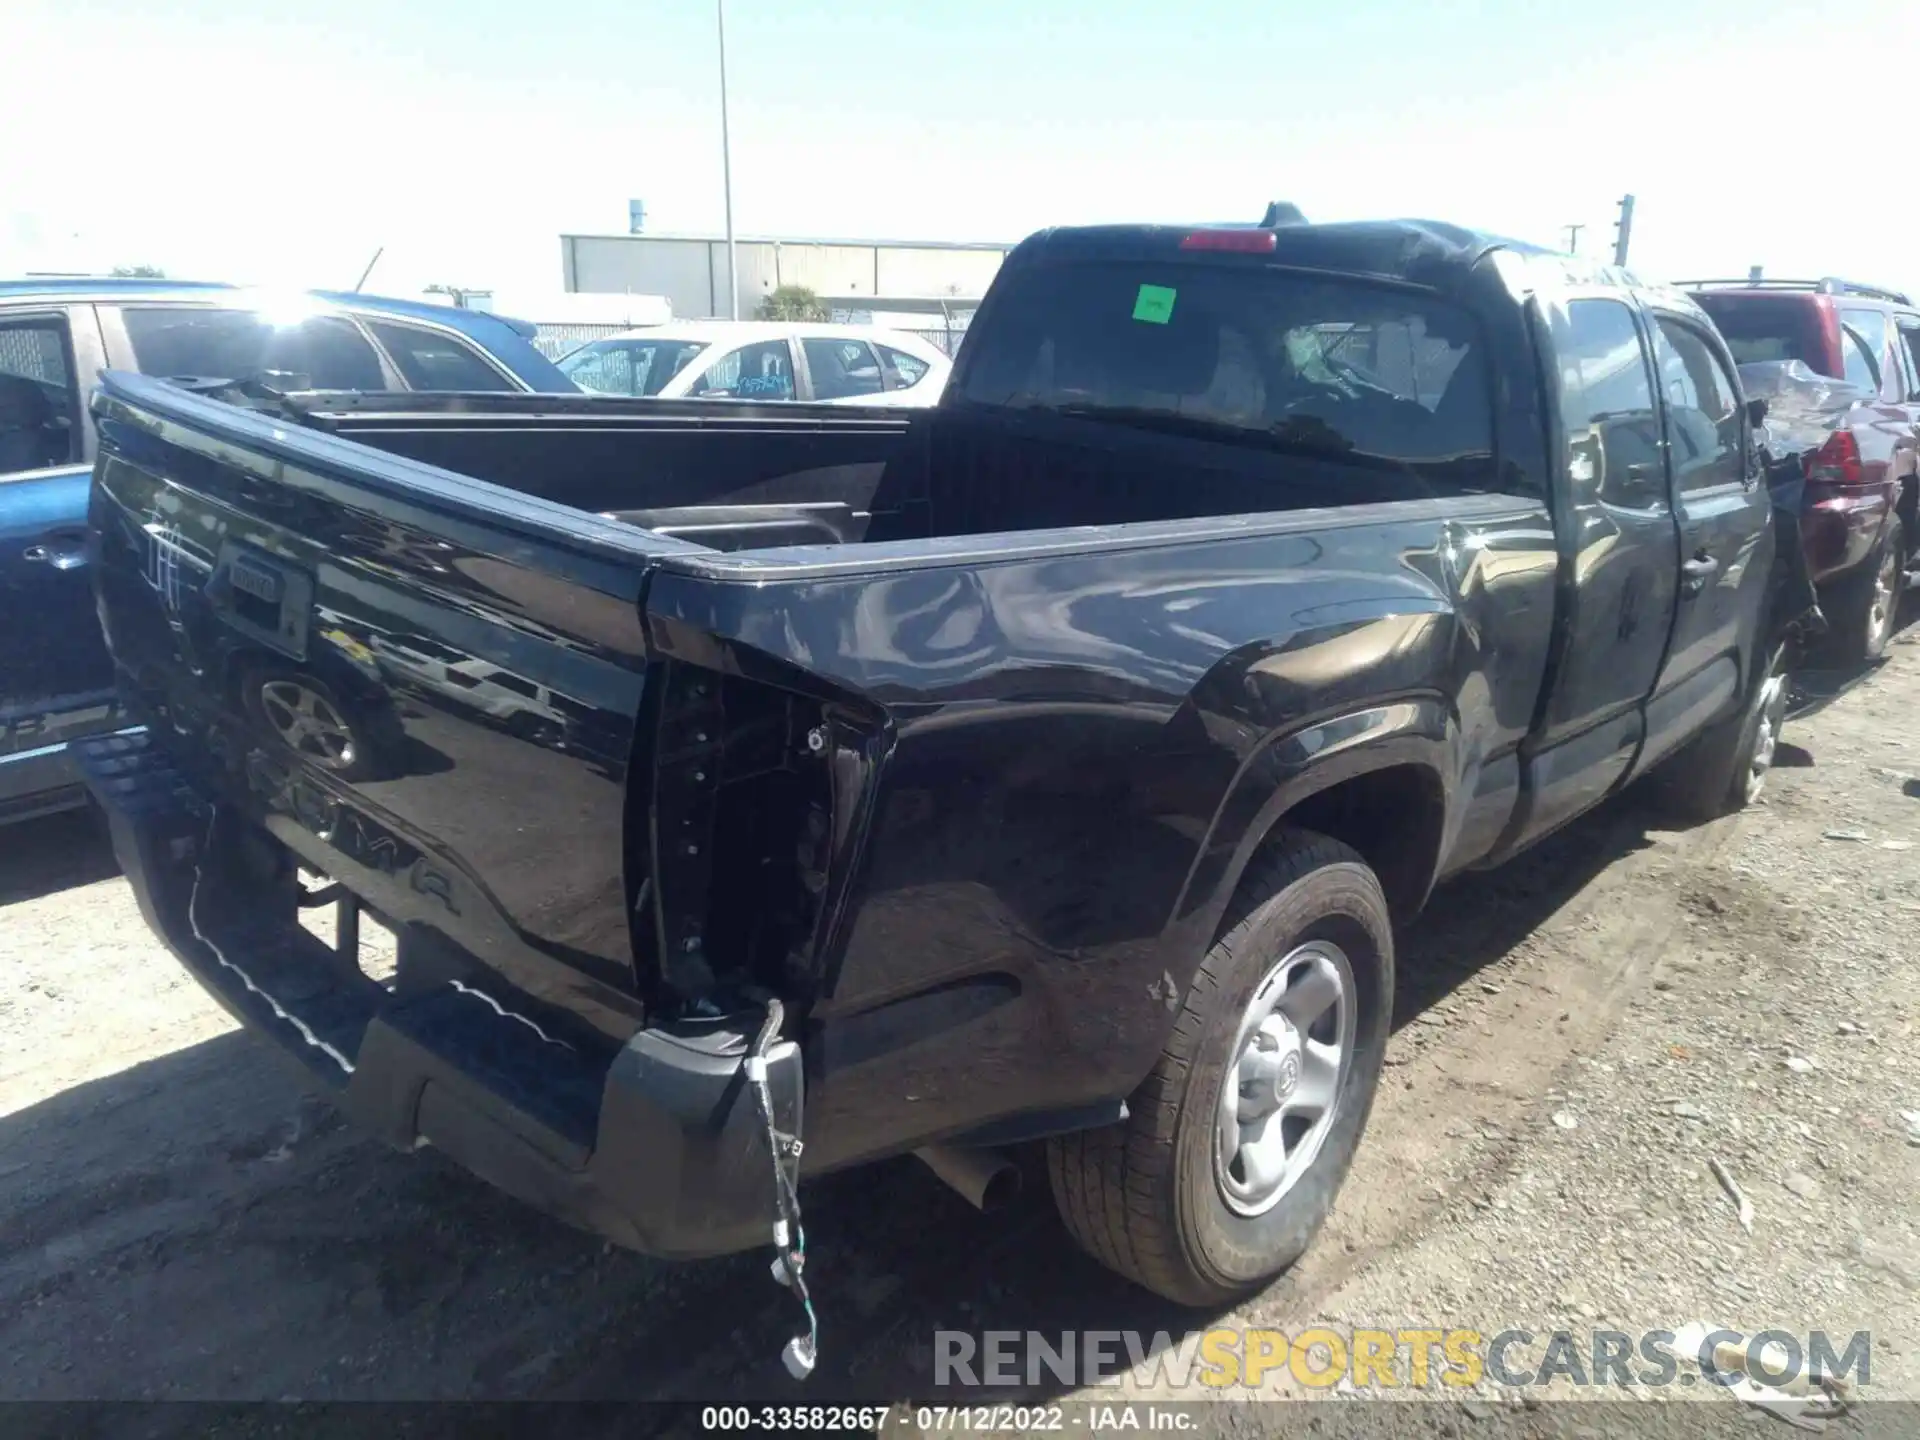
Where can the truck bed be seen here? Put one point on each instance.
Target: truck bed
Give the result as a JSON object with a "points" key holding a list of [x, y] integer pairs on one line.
{"points": [[740, 476]]}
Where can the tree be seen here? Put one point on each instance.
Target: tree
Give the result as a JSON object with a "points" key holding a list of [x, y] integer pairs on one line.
{"points": [[139, 272], [793, 302]]}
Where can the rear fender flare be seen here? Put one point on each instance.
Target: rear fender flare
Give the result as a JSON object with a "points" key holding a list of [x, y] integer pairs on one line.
{"points": [[1289, 768]]}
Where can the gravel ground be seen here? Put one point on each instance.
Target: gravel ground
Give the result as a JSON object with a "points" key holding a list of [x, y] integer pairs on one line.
{"points": [[1578, 1035], [1768, 1022]]}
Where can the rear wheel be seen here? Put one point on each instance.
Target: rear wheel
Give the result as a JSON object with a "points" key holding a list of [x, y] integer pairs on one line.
{"points": [[1869, 602], [1239, 1138], [1726, 768]]}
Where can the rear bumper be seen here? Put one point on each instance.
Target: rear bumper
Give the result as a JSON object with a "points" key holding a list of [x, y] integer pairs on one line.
{"points": [[656, 1144]]}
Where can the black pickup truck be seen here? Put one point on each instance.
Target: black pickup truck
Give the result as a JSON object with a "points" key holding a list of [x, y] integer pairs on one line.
{"points": [[758, 794]]}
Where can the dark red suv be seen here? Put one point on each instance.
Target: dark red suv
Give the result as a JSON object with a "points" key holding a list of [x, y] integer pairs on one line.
{"points": [[1861, 442]]}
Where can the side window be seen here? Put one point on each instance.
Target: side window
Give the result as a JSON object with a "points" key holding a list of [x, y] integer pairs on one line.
{"points": [[433, 360], [1870, 328], [842, 368], [38, 400], [324, 353], [762, 371], [904, 371], [1606, 402], [335, 354], [1910, 338], [1860, 368], [604, 370], [1705, 429]]}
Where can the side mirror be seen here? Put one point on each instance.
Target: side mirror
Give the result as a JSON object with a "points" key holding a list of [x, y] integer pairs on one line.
{"points": [[1756, 412], [1642, 486]]}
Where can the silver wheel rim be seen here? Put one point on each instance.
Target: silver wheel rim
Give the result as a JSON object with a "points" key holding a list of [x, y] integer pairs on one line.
{"points": [[1880, 612], [1280, 1095], [308, 723], [1766, 737]]}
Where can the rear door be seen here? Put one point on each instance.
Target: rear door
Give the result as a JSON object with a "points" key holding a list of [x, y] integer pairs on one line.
{"points": [[1725, 516], [1626, 550], [55, 680]]}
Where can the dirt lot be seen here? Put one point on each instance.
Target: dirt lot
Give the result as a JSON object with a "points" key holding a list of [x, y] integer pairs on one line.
{"points": [[1577, 1035]]}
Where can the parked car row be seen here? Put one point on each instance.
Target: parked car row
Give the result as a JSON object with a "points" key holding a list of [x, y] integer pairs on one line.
{"points": [[759, 360]]}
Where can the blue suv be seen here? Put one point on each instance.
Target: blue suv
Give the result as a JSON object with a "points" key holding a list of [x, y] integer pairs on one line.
{"points": [[56, 683]]}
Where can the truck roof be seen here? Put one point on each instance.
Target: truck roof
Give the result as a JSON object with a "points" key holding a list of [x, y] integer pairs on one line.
{"points": [[1429, 253], [1407, 250]]}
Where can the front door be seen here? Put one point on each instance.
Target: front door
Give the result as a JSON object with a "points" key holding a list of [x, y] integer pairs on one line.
{"points": [[1726, 534]]}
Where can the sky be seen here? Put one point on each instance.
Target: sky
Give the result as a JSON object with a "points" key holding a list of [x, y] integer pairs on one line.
{"points": [[284, 145]]}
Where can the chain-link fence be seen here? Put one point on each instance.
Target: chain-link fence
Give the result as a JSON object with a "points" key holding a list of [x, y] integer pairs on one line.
{"points": [[554, 341], [35, 352], [947, 342]]}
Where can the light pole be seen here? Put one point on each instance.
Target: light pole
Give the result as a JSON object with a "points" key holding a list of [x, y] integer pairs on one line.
{"points": [[726, 165]]}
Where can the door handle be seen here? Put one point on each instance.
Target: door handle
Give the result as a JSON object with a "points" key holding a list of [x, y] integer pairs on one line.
{"points": [[1695, 573], [60, 554]]}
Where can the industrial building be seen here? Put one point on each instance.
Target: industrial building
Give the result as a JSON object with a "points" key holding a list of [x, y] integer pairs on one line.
{"points": [[911, 283]]}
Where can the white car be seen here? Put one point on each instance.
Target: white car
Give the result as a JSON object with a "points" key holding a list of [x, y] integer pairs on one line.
{"points": [[763, 360]]}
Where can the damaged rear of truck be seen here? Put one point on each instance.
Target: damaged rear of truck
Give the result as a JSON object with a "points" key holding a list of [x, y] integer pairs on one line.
{"points": [[767, 791]]}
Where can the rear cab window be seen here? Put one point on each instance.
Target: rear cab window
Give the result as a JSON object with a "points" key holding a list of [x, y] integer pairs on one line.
{"points": [[1345, 370]]}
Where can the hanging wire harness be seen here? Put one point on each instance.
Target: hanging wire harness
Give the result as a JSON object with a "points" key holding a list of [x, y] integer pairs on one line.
{"points": [[789, 1235]]}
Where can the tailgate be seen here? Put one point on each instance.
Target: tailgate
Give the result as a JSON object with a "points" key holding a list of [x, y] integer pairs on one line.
{"points": [[424, 686]]}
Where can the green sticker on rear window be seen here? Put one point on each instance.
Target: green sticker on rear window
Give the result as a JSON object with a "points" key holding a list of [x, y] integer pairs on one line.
{"points": [[1154, 304]]}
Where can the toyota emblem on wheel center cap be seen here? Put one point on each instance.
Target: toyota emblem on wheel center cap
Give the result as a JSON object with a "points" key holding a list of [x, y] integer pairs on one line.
{"points": [[1288, 1075]]}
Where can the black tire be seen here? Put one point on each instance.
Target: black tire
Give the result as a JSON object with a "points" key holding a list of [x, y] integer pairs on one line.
{"points": [[266, 690], [1725, 768], [1143, 1196], [1866, 605]]}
